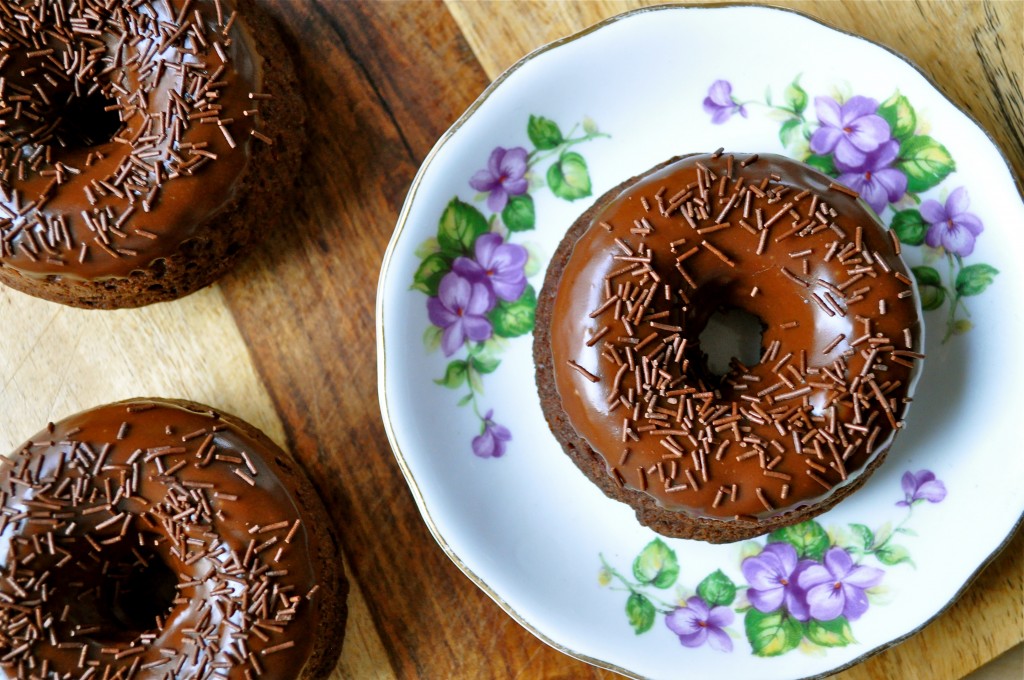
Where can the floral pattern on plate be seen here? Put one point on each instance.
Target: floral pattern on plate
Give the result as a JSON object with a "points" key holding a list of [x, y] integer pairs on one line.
{"points": [[526, 536], [804, 586], [883, 152], [475, 277]]}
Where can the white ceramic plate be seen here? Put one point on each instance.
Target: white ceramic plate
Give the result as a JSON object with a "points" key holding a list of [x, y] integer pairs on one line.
{"points": [[457, 385]]}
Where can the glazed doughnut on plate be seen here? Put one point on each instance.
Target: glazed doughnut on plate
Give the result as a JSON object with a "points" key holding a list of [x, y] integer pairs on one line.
{"points": [[143, 145], [161, 539], [730, 452]]}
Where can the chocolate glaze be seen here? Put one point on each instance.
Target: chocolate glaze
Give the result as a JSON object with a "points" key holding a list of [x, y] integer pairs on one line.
{"points": [[62, 535], [179, 199], [815, 407]]}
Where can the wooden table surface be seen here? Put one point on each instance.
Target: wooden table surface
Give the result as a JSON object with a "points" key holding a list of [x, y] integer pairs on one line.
{"points": [[286, 341]]}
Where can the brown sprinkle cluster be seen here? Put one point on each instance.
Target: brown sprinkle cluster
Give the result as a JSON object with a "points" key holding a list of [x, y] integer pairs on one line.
{"points": [[76, 525], [56, 53], [657, 385]]}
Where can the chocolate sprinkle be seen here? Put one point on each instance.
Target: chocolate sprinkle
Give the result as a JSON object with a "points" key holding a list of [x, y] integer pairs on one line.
{"points": [[174, 101], [80, 533], [770, 435]]}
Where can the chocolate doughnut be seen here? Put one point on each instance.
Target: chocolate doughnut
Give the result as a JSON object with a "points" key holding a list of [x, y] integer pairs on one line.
{"points": [[143, 145], [625, 384], [161, 539]]}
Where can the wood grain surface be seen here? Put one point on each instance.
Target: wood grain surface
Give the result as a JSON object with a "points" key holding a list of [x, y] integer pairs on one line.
{"points": [[287, 340]]}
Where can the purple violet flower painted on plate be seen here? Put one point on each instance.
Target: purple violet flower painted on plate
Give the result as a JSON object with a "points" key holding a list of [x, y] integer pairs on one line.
{"points": [[850, 130], [498, 265], [877, 182], [885, 152], [836, 586], [460, 308], [950, 226], [921, 486], [720, 104], [805, 584], [503, 177], [492, 441], [697, 623], [772, 576], [475, 278]]}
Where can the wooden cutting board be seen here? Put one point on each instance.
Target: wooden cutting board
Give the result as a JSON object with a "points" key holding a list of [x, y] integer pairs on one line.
{"points": [[286, 341]]}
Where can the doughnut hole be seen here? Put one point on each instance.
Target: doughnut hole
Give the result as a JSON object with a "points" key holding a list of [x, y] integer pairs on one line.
{"points": [[86, 122], [731, 333], [147, 592], [118, 596]]}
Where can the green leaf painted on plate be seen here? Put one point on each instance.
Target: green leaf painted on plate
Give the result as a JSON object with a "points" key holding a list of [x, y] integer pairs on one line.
{"points": [[544, 133], [519, 214], [427, 247], [883, 533], [485, 364], [974, 279], [823, 164], [927, 276], [460, 226], [864, 535], [899, 114], [466, 399], [925, 162], [717, 589], [929, 284], [892, 554], [454, 375], [749, 549], [834, 633], [432, 337], [909, 226], [772, 634], [430, 272], [809, 539], [961, 326], [656, 565], [640, 612], [476, 383], [568, 178], [796, 97], [512, 319], [790, 132]]}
